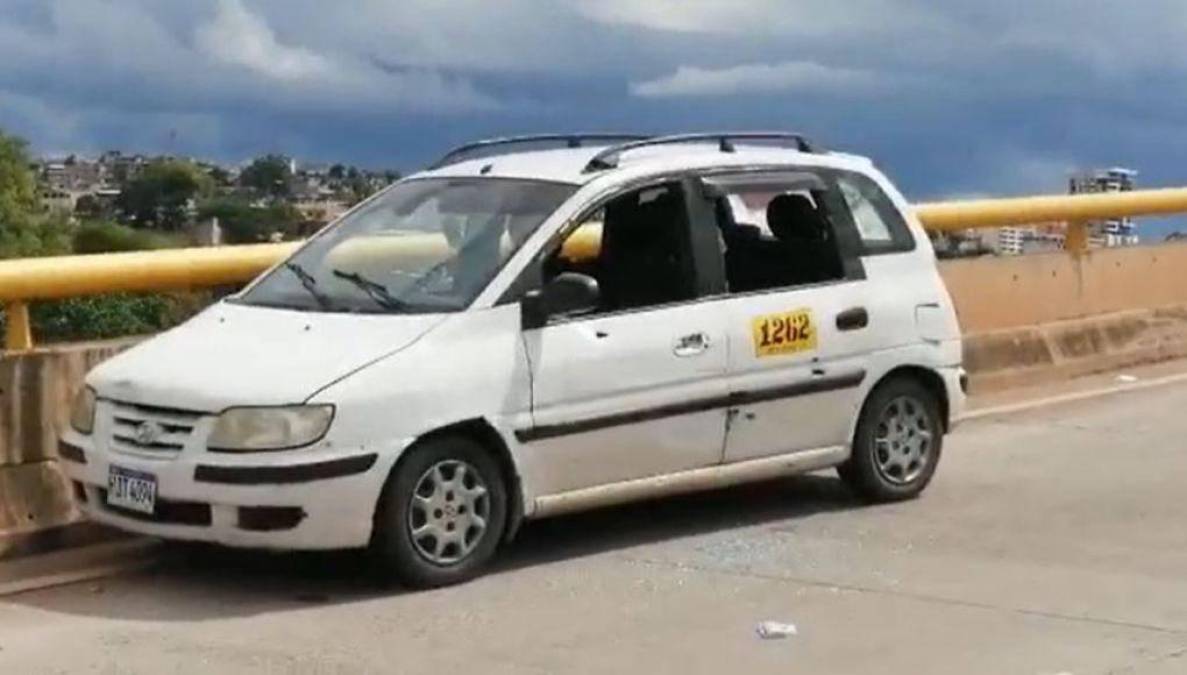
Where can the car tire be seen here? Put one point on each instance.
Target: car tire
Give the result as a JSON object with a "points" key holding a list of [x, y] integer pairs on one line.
{"points": [[441, 515], [897, 444]]}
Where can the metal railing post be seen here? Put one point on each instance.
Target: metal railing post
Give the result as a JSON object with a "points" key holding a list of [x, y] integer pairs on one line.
{"points": [[1076, 240], [18, 337]]}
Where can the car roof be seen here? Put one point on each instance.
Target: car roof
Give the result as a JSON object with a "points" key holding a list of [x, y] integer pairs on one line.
{"points": [[567, 165]]}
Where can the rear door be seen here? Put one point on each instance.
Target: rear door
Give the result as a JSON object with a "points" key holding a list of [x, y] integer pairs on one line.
{"points": [[798, 320]]}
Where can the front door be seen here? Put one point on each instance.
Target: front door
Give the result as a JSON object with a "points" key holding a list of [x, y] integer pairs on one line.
{"points": [[636, 387]]}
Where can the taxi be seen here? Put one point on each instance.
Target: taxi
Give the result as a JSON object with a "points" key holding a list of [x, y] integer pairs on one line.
{"points": [[531, 327]]}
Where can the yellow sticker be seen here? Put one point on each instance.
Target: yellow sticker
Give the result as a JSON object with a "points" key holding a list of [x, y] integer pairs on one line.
{"points": [[783, 333]]}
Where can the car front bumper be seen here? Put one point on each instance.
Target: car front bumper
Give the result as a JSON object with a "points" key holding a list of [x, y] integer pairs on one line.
{"points": [[306, 499]]}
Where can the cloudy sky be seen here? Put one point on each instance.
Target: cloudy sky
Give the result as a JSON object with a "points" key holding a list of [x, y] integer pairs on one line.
{"points": [[953, 97]]}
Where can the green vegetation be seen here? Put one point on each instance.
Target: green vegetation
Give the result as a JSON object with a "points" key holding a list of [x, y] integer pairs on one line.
{"points": [[18, 189], [25, 230], [106, 237], [109, 316], [31, 235]]}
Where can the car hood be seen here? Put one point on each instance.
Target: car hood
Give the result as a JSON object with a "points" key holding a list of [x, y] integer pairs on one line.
{"points": [[235, 354]]}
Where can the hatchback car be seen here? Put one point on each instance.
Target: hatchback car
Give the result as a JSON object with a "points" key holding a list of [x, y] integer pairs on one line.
{"points": [[531, 327]]}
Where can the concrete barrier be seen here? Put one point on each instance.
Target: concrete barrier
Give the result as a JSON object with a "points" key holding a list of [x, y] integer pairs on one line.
{"points": [[1037, 318], [36, 389], [997, 293], [1062, 350]]}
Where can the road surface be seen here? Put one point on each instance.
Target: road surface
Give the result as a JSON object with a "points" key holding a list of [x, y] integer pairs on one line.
{"points": [[1053, 541]]}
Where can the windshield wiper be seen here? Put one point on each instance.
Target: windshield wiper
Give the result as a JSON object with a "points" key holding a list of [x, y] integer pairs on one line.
{"points": [[309, 283], [375, 290]]}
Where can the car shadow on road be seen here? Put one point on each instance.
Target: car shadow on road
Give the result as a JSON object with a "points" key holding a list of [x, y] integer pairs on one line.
{"points": [[195, 583]]}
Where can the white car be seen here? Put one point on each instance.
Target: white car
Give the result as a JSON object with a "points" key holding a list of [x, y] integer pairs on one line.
{"points": [[536, 326]]}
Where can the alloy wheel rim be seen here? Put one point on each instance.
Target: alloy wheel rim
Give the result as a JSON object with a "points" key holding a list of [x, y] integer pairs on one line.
{"points": [[448, 512], [903, 440]]}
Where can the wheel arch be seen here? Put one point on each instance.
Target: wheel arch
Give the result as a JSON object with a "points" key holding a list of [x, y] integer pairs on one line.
{"points": [[928, 378], [482, 432]]}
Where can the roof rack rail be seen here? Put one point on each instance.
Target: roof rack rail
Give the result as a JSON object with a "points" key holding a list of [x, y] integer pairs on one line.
{"points": [[465, 152], [608, 158]]}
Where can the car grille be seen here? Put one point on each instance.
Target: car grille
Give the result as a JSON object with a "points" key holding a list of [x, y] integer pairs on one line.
{"points": [[171, 429]]}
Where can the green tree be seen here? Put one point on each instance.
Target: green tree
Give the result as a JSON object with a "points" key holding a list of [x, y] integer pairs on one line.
{"points": [[268, 176], [220, 176], [26, 235], [18, 187], [25, 230], [160, 196]]}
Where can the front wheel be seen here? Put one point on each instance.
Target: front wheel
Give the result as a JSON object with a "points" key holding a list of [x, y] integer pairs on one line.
{"points": [[441, 515], [897, 444]]}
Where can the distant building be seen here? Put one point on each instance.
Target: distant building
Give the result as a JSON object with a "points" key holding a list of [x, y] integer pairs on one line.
{"points": [[121, 168], [1042, 238], [59, 200], [1107, 233], [321, 210], [73, 175], [1009, 240]]}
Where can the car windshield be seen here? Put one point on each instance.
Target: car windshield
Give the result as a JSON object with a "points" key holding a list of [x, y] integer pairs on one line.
{"points": [[427, 245]]}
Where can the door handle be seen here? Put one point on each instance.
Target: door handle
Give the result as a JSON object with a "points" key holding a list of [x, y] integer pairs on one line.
{"points": [[854, 318], [691, 344]]}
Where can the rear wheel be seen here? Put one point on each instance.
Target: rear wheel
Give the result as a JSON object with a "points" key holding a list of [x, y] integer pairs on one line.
{"points": [[897, 444], [441, 515]]}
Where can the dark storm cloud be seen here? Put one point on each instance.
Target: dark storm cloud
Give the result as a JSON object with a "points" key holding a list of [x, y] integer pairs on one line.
{"points": [[960, 97]]}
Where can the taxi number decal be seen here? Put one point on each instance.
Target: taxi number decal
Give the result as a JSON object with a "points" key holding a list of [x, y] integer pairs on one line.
{"points": [[785, 333]]}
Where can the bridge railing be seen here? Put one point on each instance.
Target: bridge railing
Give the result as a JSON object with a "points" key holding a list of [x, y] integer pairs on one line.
{"points": [[28, 280]]}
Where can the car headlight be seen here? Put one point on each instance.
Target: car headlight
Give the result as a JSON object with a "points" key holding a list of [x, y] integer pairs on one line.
{"points": [[82, 413], [251, 429]]}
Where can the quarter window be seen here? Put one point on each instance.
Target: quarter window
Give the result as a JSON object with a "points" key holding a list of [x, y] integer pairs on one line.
{"points": [[880, 226]]}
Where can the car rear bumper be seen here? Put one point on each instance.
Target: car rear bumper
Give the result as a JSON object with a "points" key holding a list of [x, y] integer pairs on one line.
{"points": [[956, 383], [289, 500]]}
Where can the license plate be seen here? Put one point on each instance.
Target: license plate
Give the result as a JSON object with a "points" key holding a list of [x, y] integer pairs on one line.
{"points": [[132, 490]]}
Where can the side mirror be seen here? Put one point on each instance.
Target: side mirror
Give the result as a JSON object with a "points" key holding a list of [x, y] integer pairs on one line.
{"points": [[568, 294]]}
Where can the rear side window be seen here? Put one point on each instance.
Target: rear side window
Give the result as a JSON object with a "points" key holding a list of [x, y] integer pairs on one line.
{"points": [[880, 226], [776, 231]]}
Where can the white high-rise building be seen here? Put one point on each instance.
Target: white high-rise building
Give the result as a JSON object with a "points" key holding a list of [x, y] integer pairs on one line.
{"points": [[1115, 232], [1010, 240]]}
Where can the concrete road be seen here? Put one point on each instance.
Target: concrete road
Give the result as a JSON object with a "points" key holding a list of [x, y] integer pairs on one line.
{"points": [[1052, 541]]}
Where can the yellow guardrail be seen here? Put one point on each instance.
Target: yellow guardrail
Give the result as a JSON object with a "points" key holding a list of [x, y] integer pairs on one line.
{"points": [[983, 213], [30, 279], [26, 279]]}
